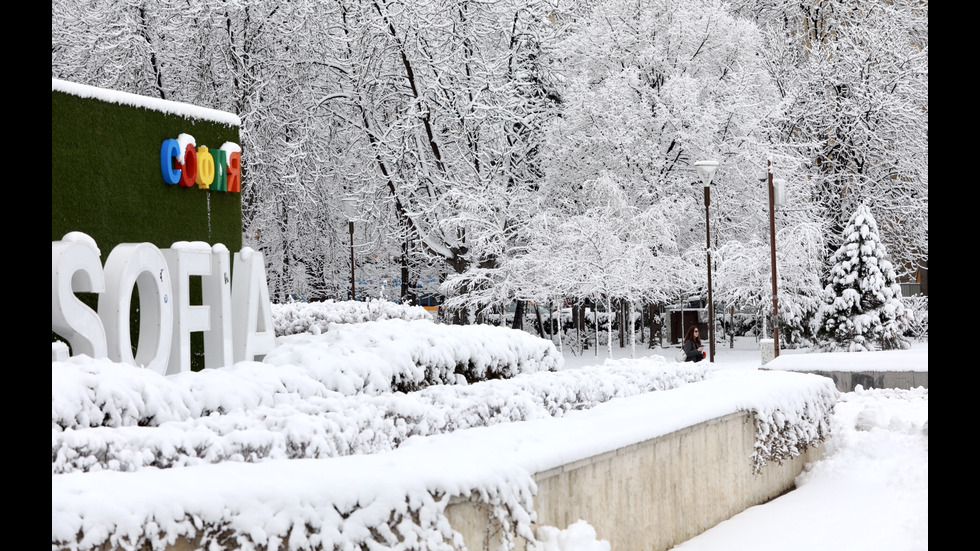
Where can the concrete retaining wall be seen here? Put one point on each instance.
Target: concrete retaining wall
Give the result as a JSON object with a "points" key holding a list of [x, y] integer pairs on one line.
{"points": [[651, 495], [846, 381], [647, 496]]}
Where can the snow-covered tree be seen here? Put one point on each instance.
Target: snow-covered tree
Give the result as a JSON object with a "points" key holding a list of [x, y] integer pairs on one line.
{"points": [[613, 251], [854, 79], [438, 101], [648, 89], [471, 132], [425, 111], [799, 256], [863, 304]]}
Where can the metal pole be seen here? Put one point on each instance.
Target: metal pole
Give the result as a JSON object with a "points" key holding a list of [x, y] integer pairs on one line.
{"points": [[350, 227], [711, 310], [772, 247]]}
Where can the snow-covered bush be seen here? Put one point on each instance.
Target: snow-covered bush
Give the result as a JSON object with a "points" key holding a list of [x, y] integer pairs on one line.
{"points": [[118, 419], [395, 355], [263, 415], [786, 430], [108, 416], [315, 317], [333, 395], [740, 324], [796, 315], [918, 327]]}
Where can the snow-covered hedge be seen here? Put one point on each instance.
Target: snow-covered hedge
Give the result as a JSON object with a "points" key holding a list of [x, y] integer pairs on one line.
{"points": [[315, 317], [396, 355], [333, 395], [108, 416], [918, 327], [787, 427], [261, 416]]}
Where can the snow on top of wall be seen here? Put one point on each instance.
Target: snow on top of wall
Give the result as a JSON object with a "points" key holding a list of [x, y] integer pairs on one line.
{"points": [[155, 104], [855, 362]]}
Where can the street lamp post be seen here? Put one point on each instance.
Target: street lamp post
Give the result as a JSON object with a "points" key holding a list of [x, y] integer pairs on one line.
{"points": [[350, 228], [349, 206], [706, 170], [772, 250]]}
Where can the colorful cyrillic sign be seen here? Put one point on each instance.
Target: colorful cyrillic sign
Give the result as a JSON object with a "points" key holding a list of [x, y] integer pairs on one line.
{"points": [[214, 169]]}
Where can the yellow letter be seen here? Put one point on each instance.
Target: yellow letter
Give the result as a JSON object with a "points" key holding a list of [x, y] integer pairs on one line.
{"points": [[205, 168]]}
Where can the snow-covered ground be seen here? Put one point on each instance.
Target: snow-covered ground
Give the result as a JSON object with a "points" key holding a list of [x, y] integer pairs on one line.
{"points": [[869, 491]]}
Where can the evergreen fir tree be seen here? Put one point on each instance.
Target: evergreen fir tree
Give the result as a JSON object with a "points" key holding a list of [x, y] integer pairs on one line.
{"points": [[863, 301]]}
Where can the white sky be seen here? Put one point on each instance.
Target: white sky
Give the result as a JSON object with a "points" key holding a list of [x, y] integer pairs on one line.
{"points": [[870, 491]]}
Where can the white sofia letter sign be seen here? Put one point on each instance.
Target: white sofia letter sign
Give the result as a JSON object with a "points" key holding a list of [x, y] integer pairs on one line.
{"points": [[236, 319]]}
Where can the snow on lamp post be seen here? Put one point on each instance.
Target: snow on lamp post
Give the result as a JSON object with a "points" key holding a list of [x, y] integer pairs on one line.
{"points": [[777, 189], [706, 171], [350, 207]]}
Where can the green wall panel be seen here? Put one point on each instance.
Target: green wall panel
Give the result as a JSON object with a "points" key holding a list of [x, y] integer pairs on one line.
{"points": [[106, 182]]}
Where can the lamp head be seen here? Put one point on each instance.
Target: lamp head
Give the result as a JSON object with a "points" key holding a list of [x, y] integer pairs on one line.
{"points": [[706, 170], [779, 191], [349, 206]]}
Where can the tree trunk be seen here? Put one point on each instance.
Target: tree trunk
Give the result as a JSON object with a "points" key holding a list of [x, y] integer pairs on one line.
{"points": [[731, 327], [537, 314], [643, 319], [578, 313], [518, 316], [621, 318], [632, 332], [595, 316], [407, 295], [561, 339], [609, 325], [551, 321], [653, 314]]}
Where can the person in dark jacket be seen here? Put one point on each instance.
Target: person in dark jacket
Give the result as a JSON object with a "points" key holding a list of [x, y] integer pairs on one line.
{"points": [[692, 345]]}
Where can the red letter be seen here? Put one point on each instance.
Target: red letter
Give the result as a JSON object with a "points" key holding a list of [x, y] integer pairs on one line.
{"points": [[189, 168], [235, 171]]}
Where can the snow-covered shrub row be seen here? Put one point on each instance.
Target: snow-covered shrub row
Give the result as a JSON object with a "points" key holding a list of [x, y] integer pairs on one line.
{"points": [[366, 358], [409, 515], [315, 317], [786, 428], [108, 416], [395, 355]]}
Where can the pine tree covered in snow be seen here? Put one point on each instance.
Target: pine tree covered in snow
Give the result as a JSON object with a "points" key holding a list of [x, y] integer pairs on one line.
{"points": [[863, 303]]}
